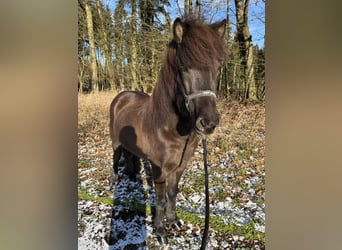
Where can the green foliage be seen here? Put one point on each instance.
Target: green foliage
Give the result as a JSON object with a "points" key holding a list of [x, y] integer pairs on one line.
{"points": [[83, 195], [82, 163], [259, 55]]}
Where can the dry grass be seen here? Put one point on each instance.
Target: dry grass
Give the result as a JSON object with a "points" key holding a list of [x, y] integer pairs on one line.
{"points": [[93, 114], [94, 145], [241, 130]]}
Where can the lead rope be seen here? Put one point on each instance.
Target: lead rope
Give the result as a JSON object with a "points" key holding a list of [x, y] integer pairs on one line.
{"points": [[206, 225]]}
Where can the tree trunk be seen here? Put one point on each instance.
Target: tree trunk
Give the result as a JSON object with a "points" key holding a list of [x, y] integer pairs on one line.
{"points": [[234, 83], [109, 66], [246, 48], [186, 7], [80, 74], [134, 67], [251, 86], [147, 12], [119, 27], [80, 81], [198, 8], [93, 64]]}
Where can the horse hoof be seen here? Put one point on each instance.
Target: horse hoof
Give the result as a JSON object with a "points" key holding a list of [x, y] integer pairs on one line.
{"points": [[163, 242], [175, 225]]}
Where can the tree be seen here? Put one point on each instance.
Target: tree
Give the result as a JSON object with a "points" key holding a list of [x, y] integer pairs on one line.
{"points": [[134, 63], [120, 30], [147, 13], [260, 72], [152, 32], [105, 45], [246, 49], [187, 7], [82, 27], [198, 8], [93, 63]]}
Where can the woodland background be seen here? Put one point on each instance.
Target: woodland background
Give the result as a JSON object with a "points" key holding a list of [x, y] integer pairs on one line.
{"points": [[121, 44]]}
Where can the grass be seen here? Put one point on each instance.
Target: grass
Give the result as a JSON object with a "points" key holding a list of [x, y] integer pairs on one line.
{"points": [[216, 223], [83, 195]]}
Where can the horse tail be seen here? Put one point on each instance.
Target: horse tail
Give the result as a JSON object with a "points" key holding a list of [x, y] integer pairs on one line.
{"points": [[117, 150], [116, 159], [111, 118]]}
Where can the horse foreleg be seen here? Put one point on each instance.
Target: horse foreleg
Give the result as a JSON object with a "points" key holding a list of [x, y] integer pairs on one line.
{"points": [[160, 190], [172, 190]]}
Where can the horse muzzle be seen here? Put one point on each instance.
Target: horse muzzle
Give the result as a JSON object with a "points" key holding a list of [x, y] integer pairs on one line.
{"points": [[206, 126]]}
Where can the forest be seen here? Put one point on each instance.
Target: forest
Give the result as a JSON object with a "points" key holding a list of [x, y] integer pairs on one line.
{"points": [[121, 44]]}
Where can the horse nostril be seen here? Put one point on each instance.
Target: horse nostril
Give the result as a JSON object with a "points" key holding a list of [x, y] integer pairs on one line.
{"points": [[203, 123], [209, 126], [212, 125]]}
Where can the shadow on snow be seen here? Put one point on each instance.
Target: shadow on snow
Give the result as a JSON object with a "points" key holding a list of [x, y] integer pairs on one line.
{"points": [[128, 228]]}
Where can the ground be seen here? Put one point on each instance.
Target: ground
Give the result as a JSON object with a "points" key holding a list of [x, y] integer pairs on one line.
{"points": [[122, 210]]}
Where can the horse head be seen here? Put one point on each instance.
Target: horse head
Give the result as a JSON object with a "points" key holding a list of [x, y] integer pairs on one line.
{"points": [[200, 51]]}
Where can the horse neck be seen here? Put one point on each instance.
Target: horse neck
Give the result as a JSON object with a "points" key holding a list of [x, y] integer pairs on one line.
{"points": [[163, 97], [162, 102]]}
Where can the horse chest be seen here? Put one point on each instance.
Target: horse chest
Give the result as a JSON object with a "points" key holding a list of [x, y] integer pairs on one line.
{"points": [[163, 148], [174, 152]]}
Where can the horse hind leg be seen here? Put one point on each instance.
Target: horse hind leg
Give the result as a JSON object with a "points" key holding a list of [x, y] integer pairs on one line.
{"points": [[133, 165], [116, 162]]}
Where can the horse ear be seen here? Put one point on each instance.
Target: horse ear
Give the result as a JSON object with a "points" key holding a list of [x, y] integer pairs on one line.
{"points": [[178, 30], [219, 27]]}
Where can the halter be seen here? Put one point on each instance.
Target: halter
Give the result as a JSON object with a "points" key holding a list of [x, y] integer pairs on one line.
{"points": [[188, 98]]}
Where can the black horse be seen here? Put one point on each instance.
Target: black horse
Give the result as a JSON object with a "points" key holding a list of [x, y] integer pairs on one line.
{"points": [[164, 128]]}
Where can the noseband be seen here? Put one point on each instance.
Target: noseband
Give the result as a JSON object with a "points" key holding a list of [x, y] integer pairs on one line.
{"points": [[188, 98]]}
